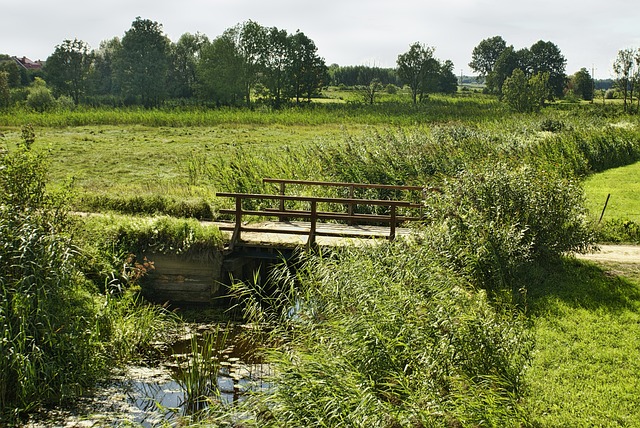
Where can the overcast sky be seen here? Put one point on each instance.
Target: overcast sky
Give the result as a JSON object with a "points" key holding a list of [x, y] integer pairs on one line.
{"points": [[589, 33]]}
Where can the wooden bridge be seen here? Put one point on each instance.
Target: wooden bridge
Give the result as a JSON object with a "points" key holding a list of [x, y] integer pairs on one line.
{"points": [[265, 228], [319, 220]]}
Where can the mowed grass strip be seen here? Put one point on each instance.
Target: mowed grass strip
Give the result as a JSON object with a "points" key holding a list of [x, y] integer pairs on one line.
{"points": [[586, 368], [623, 184]]}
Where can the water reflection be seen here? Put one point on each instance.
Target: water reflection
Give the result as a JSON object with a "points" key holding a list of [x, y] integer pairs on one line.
{"points": [[161, 400]]}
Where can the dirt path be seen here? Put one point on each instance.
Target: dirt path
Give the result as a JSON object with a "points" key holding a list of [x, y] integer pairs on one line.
{"points": [[614, 253]]}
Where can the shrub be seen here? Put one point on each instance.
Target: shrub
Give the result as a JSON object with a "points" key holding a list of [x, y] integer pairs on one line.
{"points": [[40, 98], [49, 347], [496, 219]]}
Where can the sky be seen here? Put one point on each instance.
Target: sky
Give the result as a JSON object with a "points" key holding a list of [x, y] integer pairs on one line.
{"points": [[589, 33]]}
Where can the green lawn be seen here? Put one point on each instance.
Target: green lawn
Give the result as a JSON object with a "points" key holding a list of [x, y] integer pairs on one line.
{"points": [[586, 367], [623, 184]]}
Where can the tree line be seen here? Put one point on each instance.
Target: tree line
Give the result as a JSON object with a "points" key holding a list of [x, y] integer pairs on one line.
{"points": [[248, 62]]}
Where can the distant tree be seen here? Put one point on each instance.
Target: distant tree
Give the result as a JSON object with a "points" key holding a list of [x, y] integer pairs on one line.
{"points": [[103, 80], [416, 68], [359, 75], [525, 94], [276, 60], [369, 91], [67, 69], [143, 62], [582, 84], [623, 67], [5, 93], [221, 71], [13, 72], [252, 42], [545, 57], [184, 56], [307, 72], [485, 55], [447, 80], [508, 61]]}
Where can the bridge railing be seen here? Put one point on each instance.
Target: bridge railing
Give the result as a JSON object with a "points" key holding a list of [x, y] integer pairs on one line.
{"points": [[350, 187], [313, 215]]}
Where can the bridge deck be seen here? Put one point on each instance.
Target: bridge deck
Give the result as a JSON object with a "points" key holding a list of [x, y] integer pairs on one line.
{"points": [[296, 233]]}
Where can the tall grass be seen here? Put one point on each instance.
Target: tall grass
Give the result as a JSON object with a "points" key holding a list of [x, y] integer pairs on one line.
{"points": [[48, 344], [419, 332]]}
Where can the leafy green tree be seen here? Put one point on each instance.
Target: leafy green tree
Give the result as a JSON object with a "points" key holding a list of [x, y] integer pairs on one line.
{"points": [[5, 94], [545, 57], [221, 71], [525, 94], [307, 72], [486, 54], [103, 80], [582, 84], [627, 70], [276, 61], [508, 61], [252, 39], [143, 62], [68, 68], [416, 68], [447, 80], [13, 73], [369, 91], [185, 55]]}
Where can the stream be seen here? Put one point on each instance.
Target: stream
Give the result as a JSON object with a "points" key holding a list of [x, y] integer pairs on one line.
{"points": [[155, 396]]}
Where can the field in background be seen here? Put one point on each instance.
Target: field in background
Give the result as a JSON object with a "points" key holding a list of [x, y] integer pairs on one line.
{"points": [[623, 184]]}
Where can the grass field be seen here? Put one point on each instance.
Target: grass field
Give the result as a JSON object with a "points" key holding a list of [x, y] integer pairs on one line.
{"points": [[623, 184], [586, 367]]}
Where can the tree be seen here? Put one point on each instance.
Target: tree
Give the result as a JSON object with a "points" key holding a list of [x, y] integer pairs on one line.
{"points": [[545, 57], [5, 94], [623, 68], [143, 62], [416, 67], [582, 84], [447, 81], [525, 94], [221, 71], [485, 55], [307, 72], [68, 68], [369, 91], [39, 97], [276, 61], [508, 61], [103, 79], [13, 72], [184, 56]]}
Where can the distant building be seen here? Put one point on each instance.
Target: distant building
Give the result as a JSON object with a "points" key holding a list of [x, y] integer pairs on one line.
{"points": [[27, 64]]}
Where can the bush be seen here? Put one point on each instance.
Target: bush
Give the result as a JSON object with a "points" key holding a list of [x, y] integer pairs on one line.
{"points": [[49, 348], [495, 220], [39, 97]]}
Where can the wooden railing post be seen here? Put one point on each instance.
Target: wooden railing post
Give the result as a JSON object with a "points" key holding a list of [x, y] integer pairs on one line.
{"points": [[352, 189], [392, 228], [237, 230], [314, 224], [282, 184]]}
